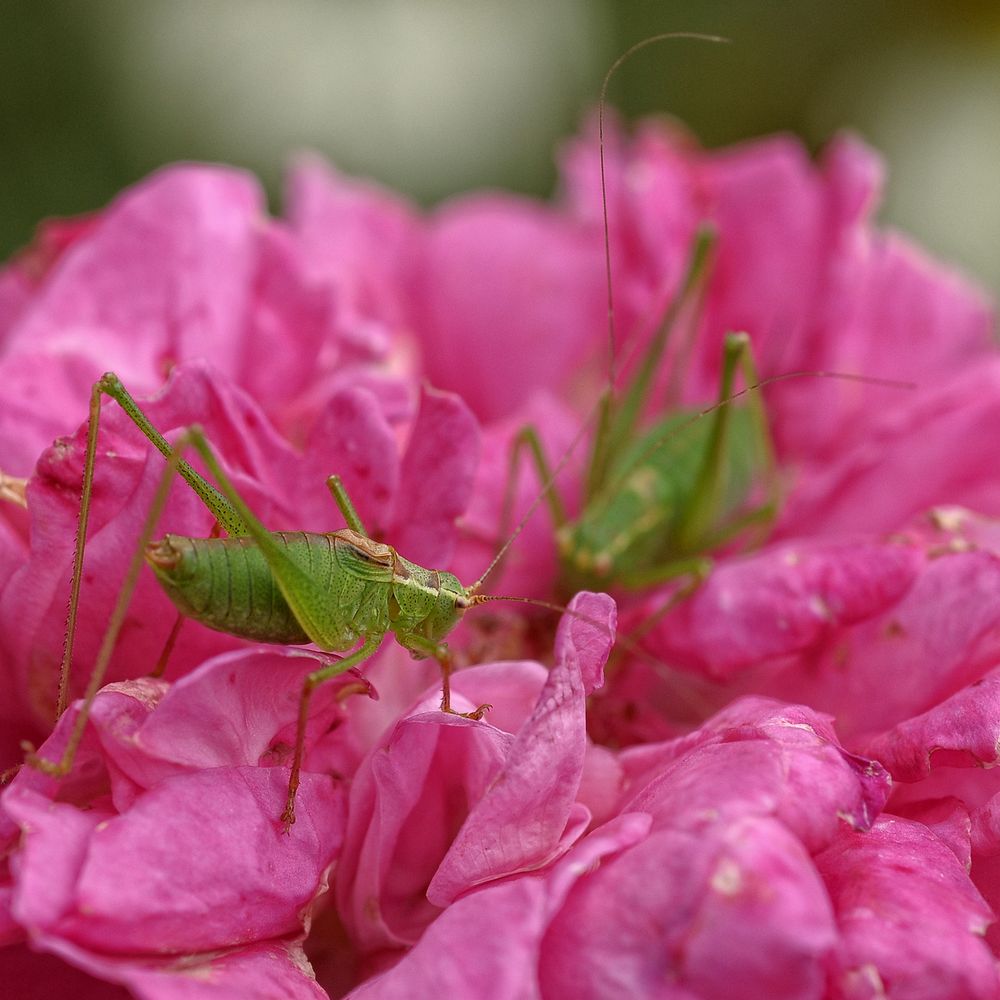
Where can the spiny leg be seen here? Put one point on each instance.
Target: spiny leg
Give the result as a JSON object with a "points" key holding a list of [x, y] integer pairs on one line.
{"points": [[312, 682], [62, 766], [110, 385]]}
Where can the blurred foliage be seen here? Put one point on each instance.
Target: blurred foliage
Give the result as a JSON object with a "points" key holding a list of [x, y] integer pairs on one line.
{"points": [[436, 96]]}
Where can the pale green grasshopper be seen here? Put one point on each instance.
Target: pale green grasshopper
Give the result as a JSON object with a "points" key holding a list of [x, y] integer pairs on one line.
{"points": [[655, 500], [334, 590], [658, 499]]}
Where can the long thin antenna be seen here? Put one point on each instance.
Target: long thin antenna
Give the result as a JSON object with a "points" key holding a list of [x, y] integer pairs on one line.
{"points": [[601, 107], [612, 347]]}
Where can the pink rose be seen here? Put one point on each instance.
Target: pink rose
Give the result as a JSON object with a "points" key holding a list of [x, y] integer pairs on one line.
{"points": [[661, 835], [162, 854]]}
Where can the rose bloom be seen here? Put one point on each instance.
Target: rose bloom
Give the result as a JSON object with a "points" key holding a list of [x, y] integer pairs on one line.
{"points": [[784, 794]]}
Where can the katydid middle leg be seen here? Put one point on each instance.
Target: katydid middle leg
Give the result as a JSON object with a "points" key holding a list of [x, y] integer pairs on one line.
{"points": [[313, 681]]}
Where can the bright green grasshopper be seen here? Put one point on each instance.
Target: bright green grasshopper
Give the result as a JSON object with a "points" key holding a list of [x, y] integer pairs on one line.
{"points": [[334, 590]]}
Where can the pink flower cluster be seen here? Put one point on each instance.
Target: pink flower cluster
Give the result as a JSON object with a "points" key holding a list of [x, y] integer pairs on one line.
{"points": [[790, 796]]}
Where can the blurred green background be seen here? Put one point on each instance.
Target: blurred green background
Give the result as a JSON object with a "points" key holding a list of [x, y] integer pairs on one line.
{"points": [[438, 96]]}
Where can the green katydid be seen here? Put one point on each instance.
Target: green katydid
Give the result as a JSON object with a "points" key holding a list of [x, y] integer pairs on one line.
{"points": [[334, 590], [658, 500], [655, 501]]}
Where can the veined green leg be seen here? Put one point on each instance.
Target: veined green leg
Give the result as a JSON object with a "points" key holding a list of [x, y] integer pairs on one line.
{"points": [[62, 766], [110, 385], [223, 511], [312, 682]]}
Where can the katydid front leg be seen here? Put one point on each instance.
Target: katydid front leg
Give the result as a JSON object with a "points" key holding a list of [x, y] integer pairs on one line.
{"points": [[425, 647]]}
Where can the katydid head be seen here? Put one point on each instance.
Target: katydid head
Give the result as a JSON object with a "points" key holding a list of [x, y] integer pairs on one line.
{"points": [[450, 603]]}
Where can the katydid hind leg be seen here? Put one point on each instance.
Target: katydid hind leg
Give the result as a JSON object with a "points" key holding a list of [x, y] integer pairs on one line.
{"points": [[109, 640], [83, 517], [768, 509], [760, 517], [222, 509], [110, 385], [703, 503], [313, 681], [528, 438]]}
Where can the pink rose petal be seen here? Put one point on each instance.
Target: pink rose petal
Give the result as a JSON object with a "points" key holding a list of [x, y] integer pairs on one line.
{"points": [[912, 924]]}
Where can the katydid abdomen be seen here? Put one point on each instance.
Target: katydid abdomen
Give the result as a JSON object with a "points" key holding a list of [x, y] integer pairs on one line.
{"points": [[367, 588], [225, 583]]}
